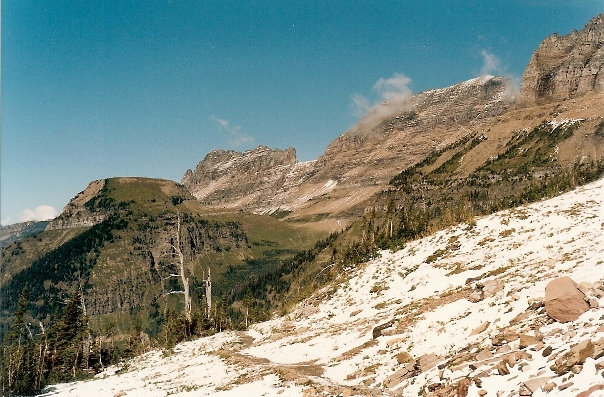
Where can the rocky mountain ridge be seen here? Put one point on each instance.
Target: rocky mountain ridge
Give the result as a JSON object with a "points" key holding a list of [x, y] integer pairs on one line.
{"points": [[562, 81], [565, 67], [229, 179], [115, 239], [267, 181]]}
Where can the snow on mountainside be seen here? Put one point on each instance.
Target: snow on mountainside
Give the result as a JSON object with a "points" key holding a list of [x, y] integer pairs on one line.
{"points": [[458, 312]]}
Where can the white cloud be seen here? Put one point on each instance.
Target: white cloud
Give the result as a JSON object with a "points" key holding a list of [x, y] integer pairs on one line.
{"points": [[361, 105], [394, 88], [5, 221], [490, 64], [391, 98], [234, 134], [40, 213]]}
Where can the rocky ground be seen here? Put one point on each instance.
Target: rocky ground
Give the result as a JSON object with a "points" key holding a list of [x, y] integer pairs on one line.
{"points": [[509, 306]]}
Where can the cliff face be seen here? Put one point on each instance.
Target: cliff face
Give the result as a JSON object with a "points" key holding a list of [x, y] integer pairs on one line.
{"points": [[567, 66], [232, 179], [77, 213]]}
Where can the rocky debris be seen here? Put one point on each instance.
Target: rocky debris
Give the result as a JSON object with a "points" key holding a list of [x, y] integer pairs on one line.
{"points": [[484, 355], [549, 386], [427, 361], [577, 355], [564, 302], [593, 303], [565, 386], [565, 67], [502, 368], [377, 331], [504, 338], [491, 287], [462, 387], [399, 376], [404, 358]]}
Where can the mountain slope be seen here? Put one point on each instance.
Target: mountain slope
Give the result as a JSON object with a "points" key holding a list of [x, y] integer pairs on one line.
{"points": [[562, 81], [358, 335], [354, 166], [115, 242]]}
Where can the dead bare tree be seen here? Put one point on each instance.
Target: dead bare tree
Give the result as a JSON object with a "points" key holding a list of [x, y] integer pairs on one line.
{"points": [[208, 283], [181, 273]]}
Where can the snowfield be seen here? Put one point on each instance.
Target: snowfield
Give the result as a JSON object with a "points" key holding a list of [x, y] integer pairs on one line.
{"points": [[451, 308]]}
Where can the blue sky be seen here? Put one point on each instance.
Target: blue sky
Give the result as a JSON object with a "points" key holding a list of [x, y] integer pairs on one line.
{"points": [[95, 89]]}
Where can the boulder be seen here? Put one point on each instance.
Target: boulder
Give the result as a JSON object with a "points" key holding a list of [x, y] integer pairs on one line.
{"points": [[564, 302], [404, 357]]}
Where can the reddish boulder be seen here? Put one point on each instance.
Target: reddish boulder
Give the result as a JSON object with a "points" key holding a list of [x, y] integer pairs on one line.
{"points": [[564, 301]]}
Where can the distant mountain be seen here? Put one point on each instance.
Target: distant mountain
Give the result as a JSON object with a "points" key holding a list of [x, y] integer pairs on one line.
{"points": [[11, 233], [562, 81], [355, 164]]}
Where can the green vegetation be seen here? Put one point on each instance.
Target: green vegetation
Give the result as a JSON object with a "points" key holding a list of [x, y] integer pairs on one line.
{"points": [[122, 272], [421, 203]]}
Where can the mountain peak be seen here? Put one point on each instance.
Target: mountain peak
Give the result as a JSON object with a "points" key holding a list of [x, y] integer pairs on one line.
{"points": [[565, 67], [239, 176]]}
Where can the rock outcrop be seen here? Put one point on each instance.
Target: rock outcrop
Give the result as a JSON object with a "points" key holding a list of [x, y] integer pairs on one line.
{"points": [[77, 213], [245, 180], [564, 302], [567, 66]]}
